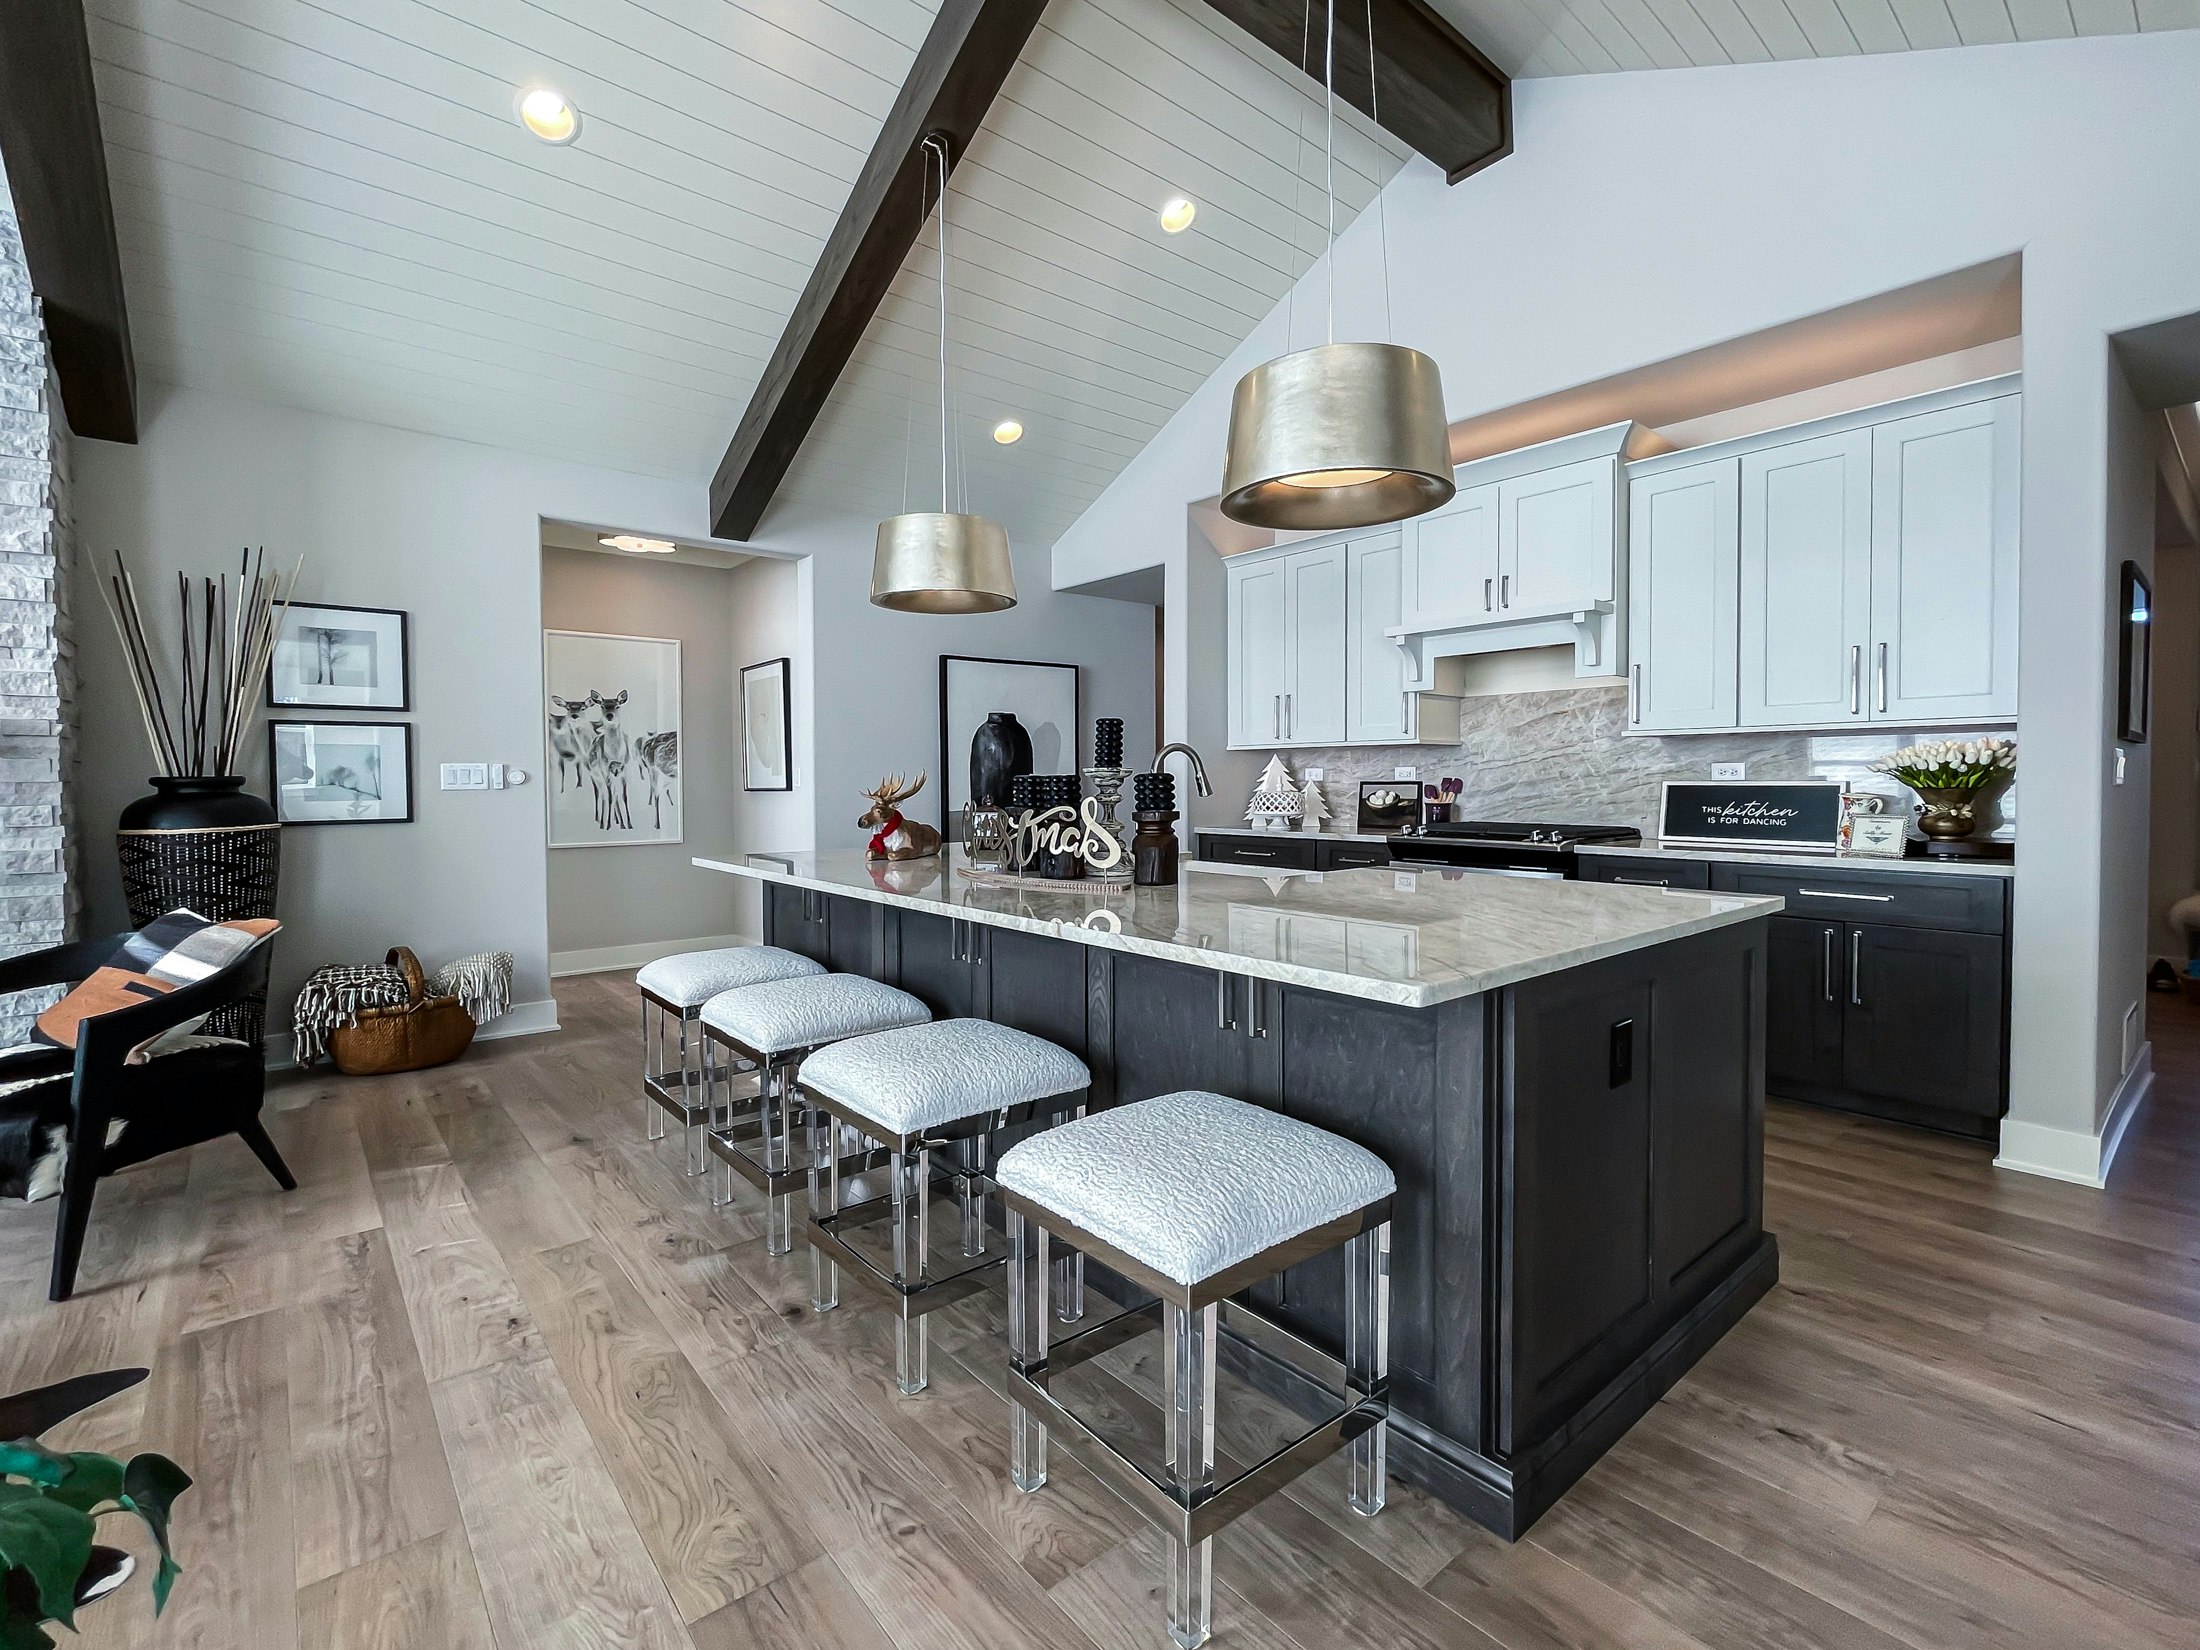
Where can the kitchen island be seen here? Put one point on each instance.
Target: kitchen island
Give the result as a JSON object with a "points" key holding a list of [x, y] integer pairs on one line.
{"points": [[1566, 1077]]}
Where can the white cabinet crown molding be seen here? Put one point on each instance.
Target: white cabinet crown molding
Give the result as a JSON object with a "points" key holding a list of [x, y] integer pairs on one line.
{"points": [[1956, 395]]}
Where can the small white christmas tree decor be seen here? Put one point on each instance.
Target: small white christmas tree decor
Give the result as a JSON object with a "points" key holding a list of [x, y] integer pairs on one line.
{"points": [[1313, 806], [1275, 802]]}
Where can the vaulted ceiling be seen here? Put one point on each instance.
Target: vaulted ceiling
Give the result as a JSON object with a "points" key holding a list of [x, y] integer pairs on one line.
{"points": [[331, 206]]}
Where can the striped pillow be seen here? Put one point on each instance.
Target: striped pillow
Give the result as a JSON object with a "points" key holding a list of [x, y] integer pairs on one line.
{"points": [[178, 949]]}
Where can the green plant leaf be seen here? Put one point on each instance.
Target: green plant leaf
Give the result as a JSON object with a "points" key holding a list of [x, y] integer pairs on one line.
{"points": [[93, 1480], [150, 1485], [28, 1458], [48, 1541]]}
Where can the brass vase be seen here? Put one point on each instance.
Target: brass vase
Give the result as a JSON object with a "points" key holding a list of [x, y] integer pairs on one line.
{"points": [[1951, 812]]}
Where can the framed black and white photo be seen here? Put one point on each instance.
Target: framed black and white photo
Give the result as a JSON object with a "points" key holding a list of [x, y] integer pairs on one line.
{"points": [[767, 763], [1042, 697], [2134, 656], [341, 773], [339, 658], [611, 760]]}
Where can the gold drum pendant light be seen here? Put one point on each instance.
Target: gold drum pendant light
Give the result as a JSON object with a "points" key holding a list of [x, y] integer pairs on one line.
{"points": [[1341, 435], [942, 561]]}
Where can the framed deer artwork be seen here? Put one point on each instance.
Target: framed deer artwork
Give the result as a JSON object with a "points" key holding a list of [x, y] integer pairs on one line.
{"points": [[611, 754]]}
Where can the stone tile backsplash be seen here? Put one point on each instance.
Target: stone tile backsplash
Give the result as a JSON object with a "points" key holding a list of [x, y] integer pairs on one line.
{"points": [[1565, 757]]}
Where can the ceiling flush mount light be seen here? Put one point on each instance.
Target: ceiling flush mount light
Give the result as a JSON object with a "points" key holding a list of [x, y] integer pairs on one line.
{"points": [[1177, 214], [549, 114], [942, 561], [1008, 432], [635, 544], [1341, 435]]}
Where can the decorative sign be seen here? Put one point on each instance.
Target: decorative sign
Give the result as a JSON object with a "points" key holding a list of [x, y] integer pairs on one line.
{"points": [[1877, 836], [1799, 815], [1066, 830]]}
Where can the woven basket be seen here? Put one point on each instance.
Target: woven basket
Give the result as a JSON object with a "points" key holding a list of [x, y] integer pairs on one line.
{"points": [[427, 1031]]}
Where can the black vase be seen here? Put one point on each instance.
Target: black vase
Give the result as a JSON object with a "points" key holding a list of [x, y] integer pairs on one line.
{"points": [[201, 843], [999, 751]]}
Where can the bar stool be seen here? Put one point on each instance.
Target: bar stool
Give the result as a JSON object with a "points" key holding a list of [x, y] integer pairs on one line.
{"points": [[1194, 1196], [918, 1091], [774, 1027], [679, 986]]}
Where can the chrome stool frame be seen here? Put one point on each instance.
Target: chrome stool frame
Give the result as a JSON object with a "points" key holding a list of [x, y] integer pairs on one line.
{"points": [[759, 1140], [667, 1088], [907, 1158], [1181, 1495]]}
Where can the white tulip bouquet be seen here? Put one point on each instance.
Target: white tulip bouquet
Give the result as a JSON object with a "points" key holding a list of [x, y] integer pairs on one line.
{"points": [[1952, 764]]}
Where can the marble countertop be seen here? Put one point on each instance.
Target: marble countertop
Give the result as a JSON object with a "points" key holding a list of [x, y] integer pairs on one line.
{"points": [[1822, 862], [1412, 938]]}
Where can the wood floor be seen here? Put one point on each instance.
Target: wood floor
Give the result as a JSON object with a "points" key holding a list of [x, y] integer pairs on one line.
{"points": [[496, 1375]]}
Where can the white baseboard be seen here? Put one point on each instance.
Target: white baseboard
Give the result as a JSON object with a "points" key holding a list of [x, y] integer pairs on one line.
{"points": [[520, 1020], [2072, 1154], [602, 959]]}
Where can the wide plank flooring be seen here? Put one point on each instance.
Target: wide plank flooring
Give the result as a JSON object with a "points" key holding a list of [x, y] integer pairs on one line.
{"points": [[497, 1377]]}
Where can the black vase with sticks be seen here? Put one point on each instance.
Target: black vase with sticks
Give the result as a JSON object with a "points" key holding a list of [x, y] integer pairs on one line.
{"points": [[200, 842]]}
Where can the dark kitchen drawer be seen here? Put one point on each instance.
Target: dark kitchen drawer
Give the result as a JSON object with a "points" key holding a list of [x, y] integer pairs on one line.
{"points": [[1646, 873], [1923, 899], [1283, 852], [1349, 856]]}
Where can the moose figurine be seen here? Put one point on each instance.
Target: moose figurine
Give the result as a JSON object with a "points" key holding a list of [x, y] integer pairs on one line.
{"points": [[892, 835]]}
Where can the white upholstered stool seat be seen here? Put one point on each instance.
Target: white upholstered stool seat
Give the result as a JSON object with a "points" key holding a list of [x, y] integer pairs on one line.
{"points": [[694, 977], [923, 1076], [1191, 1184], [784, 1015]]}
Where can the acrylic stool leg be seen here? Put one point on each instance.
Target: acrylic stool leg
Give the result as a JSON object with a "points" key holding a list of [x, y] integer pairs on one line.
{"points": [[1027, 1345]]}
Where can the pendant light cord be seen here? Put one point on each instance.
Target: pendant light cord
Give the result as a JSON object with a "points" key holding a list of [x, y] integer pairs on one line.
{"points": [[1382, 190], [934, 144], [1329, 153]]}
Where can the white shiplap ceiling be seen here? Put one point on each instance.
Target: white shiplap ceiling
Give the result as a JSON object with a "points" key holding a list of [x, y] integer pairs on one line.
{"points": [[1553, 37], [329, 205]]}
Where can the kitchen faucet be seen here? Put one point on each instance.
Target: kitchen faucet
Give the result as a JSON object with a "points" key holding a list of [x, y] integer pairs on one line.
{"points": [[1199, 768]]}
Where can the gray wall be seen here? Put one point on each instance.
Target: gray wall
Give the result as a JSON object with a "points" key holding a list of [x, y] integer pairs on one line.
{"points": [[772, 620], [2174, 832], [616, 899]]}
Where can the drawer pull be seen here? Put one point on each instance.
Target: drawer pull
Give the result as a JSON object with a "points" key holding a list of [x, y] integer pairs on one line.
{"points": [[1646, 882], [1835, 893], [1256, 853]]}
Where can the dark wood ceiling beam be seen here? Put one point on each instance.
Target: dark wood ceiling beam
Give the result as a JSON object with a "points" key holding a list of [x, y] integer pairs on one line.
{"points": [[1440, 96], [958, 71], [57, 173]]}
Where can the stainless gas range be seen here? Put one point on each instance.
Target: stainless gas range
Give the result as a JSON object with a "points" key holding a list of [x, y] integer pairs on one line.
{"points": [[1496, 848]]}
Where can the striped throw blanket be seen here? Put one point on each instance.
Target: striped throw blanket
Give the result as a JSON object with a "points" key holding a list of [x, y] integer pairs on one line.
{"points": [[334, 996]]}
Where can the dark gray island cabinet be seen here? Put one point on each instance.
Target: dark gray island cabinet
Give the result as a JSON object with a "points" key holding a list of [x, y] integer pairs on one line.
{"points": [[1568, 1081]]}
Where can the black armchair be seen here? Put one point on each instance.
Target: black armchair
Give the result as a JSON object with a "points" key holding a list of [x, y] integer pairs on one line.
{"points": [[165, 1104]]}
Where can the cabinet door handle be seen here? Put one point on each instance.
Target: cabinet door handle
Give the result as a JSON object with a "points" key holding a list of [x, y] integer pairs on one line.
{"points": [[1257, 1022], [954, 940], [1505, 591], [1856, 967], [1224, 1020], [1880, 673], [1835, 893], [1634, 698], [974, 945], [1856, 678], [1487, 584], [1290, 716], [1830, 936], [1275, 720]]}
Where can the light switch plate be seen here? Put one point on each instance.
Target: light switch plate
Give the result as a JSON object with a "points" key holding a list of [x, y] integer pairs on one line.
{"points": [[465, 776], [1730, 772]]}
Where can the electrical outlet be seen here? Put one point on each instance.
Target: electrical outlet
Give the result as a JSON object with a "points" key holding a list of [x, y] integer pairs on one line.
{"points": [[1312, 774], [1405, 773], [465, 776], [1729, 772]]}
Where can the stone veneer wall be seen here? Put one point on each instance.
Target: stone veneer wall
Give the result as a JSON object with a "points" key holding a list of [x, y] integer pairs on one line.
{"points": [[1564, 757], [39, 891]]}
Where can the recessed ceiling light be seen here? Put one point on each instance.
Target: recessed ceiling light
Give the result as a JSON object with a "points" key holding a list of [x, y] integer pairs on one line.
{"points": [[549, 114], [1008, 432], [635, 544], [1177, 215]]}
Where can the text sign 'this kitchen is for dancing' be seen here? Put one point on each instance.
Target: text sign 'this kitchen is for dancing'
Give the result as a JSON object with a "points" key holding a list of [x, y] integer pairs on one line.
{"points": [[1801, 815]]}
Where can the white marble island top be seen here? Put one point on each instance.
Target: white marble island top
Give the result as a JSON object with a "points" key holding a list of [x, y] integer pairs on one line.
{"points": [[1413, 938]]}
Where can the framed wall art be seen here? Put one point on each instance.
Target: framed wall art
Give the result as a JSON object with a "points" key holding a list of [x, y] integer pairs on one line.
{"points": [[341, 773], [611, 763], [1042, 697], [767, 762], [339, 658]]}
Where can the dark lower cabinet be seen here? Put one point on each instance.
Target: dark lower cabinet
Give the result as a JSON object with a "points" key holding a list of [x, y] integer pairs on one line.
{"points": [[797, 919], [1179, 1028], [934, 967], [1803, 1008], [1923, 1019]]}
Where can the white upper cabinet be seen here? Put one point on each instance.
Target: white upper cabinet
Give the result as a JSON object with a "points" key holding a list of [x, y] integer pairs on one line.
{"points": [[1946, 495], [1377, 707], [1877, 571], [1555, 540], [1257, 632], [1681, 581], [1314, 620], [1450, 563], [1806, 593]]}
